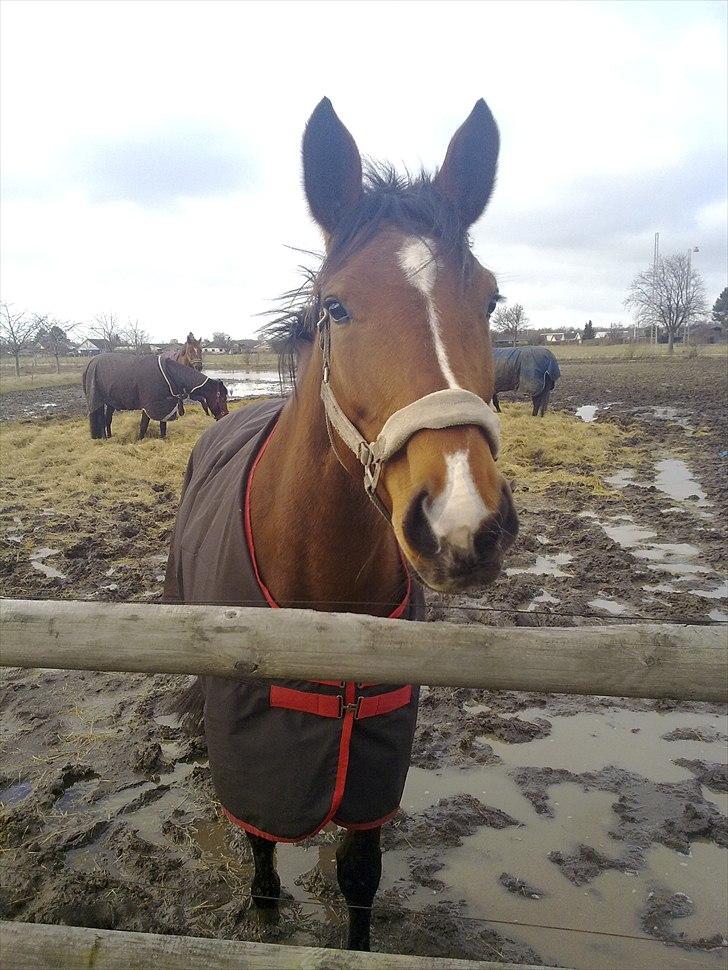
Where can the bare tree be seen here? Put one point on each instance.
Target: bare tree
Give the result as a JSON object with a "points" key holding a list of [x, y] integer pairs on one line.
{"points": [[673, 297], [510, 321], [220, 339], [106, 326], [18, 331], [52, 335], [135, 335]]}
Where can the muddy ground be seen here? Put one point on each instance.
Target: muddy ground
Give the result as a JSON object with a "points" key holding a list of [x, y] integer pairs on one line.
{"points": [[567, 831]]}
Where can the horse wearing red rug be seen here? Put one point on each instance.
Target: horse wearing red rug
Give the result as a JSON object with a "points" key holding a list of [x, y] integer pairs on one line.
{"points": [[377, 475]]}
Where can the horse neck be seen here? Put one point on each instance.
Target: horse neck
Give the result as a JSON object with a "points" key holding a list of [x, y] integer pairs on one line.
{"points": [[318, 538]]}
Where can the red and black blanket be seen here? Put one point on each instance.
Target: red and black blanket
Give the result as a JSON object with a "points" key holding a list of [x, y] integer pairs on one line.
{"points": [[287, 757]]}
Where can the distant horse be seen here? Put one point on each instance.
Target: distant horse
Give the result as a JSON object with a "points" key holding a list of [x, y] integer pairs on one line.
{"points": [[530, 370], [395, 370], [116, 382], [190, 355]]}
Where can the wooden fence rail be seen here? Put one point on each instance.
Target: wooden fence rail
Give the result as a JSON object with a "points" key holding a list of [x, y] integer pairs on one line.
{"points": [[36, 946], [640, 660]]}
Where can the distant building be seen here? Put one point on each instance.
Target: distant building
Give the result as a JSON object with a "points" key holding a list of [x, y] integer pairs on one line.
{"points": [[562, 337], [90, 348]]}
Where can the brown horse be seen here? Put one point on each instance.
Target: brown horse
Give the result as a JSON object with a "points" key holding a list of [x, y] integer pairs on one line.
{"points": [[395, 367], [190, 354]]}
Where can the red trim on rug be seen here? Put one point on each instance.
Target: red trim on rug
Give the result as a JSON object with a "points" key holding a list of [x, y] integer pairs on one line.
{"points": [[394, 615], [363, 826], [341, 769], [350, 688], [248, 528]]}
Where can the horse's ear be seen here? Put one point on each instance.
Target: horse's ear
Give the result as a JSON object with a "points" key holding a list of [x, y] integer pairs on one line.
{"points": [[467, 175], [331, 167]]}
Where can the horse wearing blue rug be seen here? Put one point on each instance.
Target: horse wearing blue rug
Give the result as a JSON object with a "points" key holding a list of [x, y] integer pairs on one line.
{"points": [[530, 370]]}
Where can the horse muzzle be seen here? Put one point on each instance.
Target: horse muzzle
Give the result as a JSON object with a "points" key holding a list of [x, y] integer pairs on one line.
{"points": [[466, 556]]}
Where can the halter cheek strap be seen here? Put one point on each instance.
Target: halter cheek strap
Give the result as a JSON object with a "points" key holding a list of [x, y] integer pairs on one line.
{"points": [[449, 408]]}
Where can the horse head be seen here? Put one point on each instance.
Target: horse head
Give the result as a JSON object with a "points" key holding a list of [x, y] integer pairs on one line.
{"points": [[215, 396], [404, 353], [193, 351]]}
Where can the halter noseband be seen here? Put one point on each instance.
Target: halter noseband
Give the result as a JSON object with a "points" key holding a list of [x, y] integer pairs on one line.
{"points": [[449, 408]]}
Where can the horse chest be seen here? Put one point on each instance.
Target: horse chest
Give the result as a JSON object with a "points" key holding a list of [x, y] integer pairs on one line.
{"points": [[286, 757]]}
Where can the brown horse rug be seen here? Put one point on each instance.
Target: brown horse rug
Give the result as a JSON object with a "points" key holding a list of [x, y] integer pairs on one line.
{"points": [[287, 757], [145, 383]]}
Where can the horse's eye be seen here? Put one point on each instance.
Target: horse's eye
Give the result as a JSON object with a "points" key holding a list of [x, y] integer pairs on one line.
{"points": [[337, 311], [493, 303]]}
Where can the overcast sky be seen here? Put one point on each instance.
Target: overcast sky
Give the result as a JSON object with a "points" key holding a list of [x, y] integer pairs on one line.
{"points": [[151, 150]]}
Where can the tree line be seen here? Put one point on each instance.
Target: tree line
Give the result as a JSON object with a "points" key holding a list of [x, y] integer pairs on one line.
{"points": [[669, 296], [22, 332]]}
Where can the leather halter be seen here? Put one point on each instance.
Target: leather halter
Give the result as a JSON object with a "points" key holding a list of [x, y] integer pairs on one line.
{"points": [[449, 408]]}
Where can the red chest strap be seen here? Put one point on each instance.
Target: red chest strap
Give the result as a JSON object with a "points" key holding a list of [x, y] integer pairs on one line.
{"points": [[332, 705]]}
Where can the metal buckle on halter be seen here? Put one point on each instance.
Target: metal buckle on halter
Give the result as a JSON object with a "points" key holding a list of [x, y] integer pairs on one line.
{"points": [[349, 708], [372, 470]]}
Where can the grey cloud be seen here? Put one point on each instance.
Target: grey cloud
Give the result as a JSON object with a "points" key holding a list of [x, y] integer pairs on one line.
{"points": [[592, 211], [164, 166]]}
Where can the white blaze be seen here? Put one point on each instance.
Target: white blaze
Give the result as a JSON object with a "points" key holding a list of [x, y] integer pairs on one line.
{"points": [[419, 265], [458, 511]]}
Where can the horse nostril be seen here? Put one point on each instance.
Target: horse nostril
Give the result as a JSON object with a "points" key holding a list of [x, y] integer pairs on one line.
{"points": [[417, 529], [500, 530]]}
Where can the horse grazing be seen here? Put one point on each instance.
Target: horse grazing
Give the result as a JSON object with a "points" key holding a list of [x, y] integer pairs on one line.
{"points": [[530, 370], [116, 382], [394, 370], [190, 355]]}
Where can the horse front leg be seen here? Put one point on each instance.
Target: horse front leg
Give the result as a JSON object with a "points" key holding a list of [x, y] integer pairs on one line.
{"points": [[108, 415], [359, 869], [143, 425], [496, 403], [162, 429], [265, 889]]}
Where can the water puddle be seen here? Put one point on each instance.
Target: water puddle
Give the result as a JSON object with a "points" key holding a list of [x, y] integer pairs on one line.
{"points": [[678, 559], [544, 566], [587, 412], [72, 798], [612, 607], [718, 593], [673, 414], [543, 597], [242, 384], [15, 793], [37, 558], [675, 479]]}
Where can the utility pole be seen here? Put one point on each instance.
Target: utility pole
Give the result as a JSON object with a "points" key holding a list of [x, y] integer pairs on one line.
{"points": [[655, 261], [693, 249]]}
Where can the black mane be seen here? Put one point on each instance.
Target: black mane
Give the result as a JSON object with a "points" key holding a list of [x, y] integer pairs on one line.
{"points": [[411, 204]]}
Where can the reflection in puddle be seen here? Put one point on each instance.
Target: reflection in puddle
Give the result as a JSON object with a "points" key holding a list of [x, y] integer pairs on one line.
{"points": [[544, 566], [250, 383], [587, 412], [675, 479], [610, 606], [672, 477]]}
